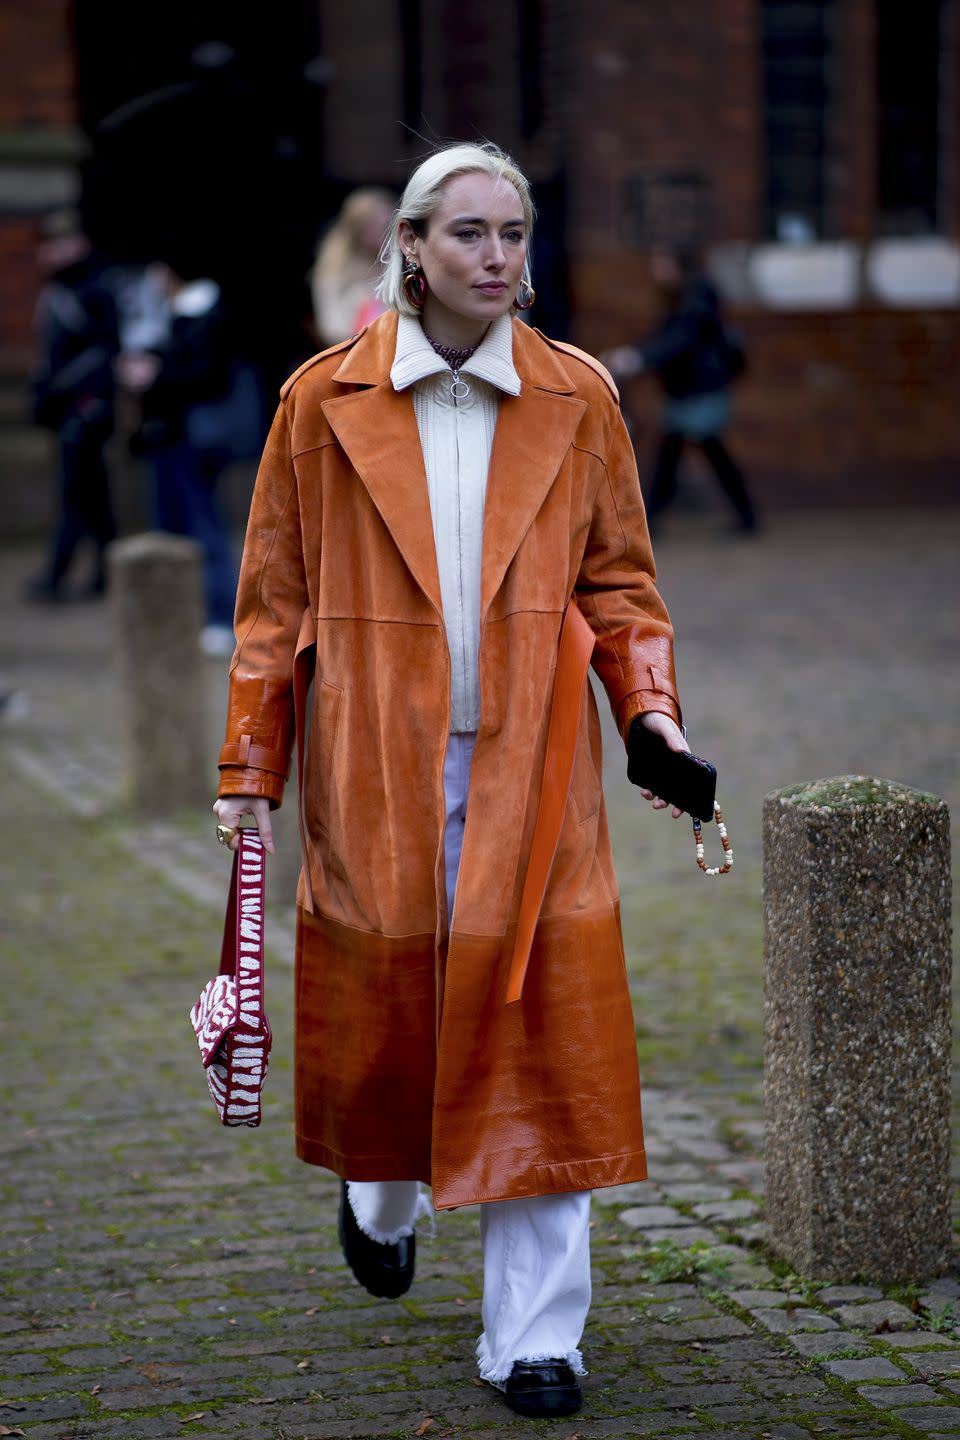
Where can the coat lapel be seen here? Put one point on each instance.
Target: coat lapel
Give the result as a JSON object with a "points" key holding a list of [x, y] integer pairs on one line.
{"points": [[534, 432], [378, 431]]}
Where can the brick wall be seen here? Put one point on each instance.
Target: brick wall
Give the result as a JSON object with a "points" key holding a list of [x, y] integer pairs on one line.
{"points": [[37, 110], [854, 408], [36, 68], [664, 89], [363, 40]]}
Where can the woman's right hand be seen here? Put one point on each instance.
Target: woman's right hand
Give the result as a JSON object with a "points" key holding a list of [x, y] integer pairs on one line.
{"points": [[230, 808]]}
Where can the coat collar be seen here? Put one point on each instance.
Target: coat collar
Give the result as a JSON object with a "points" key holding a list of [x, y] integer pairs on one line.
{"points": [[377, 428], [371, 356], [416, 359]]}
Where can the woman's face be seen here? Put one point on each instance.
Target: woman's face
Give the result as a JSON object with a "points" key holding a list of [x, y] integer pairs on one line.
{"points": [[472, 254]]}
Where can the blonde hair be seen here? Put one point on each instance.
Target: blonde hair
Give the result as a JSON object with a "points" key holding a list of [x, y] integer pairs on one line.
{"points": [[339, 250], [422, 196]]}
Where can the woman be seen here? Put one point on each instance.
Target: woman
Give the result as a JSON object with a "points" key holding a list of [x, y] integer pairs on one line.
{"points": [[343, 282], [434, 494]]}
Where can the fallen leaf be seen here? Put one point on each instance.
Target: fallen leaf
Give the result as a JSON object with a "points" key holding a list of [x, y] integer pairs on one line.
{"points": [[458, 1301], [302, 1364], [312, 1270], [185, 1419], [695, 1345], [427, 1423], [11, 1430], [231, 1322], [125, 1359], [385, 1340], [475, 1380], [96, 1390], [263, 1400], [312, 1311]]}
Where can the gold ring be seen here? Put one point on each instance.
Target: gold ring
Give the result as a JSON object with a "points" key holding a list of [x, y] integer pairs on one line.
{"points": [[225, 833]]}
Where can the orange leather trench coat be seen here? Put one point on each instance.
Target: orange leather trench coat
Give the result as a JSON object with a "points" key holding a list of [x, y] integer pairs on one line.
{"points": [[409, 1063]]}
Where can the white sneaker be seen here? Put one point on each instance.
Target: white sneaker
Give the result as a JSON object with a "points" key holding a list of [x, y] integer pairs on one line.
{"points": [[217, 641]]}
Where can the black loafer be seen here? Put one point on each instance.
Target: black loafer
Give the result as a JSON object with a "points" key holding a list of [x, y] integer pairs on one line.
{"points": [[385, 1270], [543, 1387]]}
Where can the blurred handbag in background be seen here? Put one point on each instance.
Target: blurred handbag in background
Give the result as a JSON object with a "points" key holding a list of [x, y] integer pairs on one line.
{"points": [[229, 1020]]}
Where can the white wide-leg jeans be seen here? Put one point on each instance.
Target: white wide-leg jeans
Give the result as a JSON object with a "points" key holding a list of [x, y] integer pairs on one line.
{"points": [[536, 1252]]}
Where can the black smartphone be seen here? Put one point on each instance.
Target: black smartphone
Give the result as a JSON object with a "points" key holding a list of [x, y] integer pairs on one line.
{"points": [[677, 776]]}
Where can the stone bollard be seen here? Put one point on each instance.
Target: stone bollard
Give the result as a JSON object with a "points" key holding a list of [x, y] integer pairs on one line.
{"points": [[857, 1029], [155, 590]]}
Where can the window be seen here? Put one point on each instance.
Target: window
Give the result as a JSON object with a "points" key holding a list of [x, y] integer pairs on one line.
{"points": [[908, 102], [797, 64]]}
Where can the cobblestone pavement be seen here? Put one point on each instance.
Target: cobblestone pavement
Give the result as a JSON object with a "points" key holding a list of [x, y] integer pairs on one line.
{"points": [[162, 1277]]}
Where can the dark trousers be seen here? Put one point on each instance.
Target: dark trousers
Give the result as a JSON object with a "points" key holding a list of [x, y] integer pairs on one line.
{"points": [[729, 475], [85, 508], [185, 503]]}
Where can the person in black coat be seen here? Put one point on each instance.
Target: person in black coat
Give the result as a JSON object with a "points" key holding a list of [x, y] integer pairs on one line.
{"points": [[73, 395], [190, 374], [696, 358]]}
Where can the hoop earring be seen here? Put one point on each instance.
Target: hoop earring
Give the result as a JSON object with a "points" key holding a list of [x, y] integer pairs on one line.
{"points": [[414, 284], [528, 299]]}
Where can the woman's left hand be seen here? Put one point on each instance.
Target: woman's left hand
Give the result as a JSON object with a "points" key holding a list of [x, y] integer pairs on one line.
{"points": [[670, 732]]}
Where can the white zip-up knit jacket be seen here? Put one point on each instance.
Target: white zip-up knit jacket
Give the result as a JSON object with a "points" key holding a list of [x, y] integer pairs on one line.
{"points": [[456, 436]]}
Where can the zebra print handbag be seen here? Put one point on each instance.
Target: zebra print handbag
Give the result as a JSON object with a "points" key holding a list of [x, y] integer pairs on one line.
{"points": [[229, 1020]]}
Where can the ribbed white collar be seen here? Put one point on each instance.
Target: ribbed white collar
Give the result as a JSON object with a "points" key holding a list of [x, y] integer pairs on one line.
{"points": [[415, 358]]}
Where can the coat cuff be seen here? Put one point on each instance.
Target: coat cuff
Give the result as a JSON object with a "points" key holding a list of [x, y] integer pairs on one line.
{"points": [[641, 702], [237, 780], [245, 754]]}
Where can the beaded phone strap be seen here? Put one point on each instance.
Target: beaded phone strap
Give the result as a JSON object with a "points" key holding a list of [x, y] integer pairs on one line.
{"points": [[724, 841]]}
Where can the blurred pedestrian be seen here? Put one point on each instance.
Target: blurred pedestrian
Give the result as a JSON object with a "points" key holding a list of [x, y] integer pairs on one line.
{"points": [[346, 272], [696, 357], [73, 395], [446, 526], [187, 371]]}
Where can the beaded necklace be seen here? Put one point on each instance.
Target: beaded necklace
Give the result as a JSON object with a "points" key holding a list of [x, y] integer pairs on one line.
{"points": [[455, 356]]}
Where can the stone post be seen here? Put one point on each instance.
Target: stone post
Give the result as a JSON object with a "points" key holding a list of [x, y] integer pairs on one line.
{"points": [[857, 1029], [155, 590]]}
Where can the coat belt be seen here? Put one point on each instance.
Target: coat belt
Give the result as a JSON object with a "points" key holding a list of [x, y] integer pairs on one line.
{"points": [[569, 683], [566, 704], [304, 664]]}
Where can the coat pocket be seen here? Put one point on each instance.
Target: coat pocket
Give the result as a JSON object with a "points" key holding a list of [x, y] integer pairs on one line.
{"points": [[321, 753]]}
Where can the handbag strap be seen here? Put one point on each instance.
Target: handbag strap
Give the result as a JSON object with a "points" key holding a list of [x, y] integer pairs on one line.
{"points": [[569, 687], [727, 865], [241, 955]]}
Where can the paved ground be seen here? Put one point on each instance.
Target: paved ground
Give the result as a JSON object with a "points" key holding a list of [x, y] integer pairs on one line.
{"points": [[162, 1277]]}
